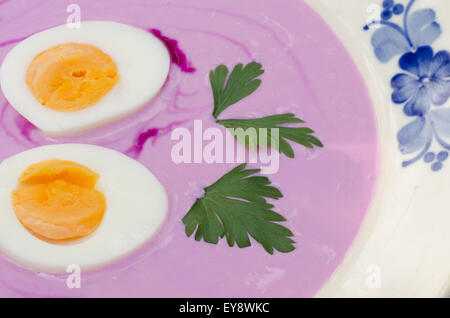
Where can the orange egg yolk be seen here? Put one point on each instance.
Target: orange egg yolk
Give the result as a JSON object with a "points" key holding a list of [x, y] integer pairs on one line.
{"points": [[71, 76], [57, 200]]}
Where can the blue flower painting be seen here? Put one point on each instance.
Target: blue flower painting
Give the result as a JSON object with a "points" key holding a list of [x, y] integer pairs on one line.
{"points": [[423, 86], [426, 82]]}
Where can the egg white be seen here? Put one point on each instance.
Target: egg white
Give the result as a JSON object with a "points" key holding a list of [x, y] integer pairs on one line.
{"points": [[142, 60], [136, 208]]}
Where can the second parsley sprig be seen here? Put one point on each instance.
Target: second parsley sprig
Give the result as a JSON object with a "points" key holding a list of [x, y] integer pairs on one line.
{"points": [[243, 81]]}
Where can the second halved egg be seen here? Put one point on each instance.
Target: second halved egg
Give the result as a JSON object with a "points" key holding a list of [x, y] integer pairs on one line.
{"points": [[76, 204], [68, 81]]}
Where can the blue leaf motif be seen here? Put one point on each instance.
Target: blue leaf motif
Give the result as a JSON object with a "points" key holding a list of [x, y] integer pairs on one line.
{"points": [[388, 42], [415, 136], [441, 122], [423, 28]]}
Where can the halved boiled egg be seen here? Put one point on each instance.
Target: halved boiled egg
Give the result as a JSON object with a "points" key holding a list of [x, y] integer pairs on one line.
{"points": [[66, 81], [76, 204]]}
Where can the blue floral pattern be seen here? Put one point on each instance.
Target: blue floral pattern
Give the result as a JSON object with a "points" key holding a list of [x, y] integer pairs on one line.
{"points": [[423, 88]]}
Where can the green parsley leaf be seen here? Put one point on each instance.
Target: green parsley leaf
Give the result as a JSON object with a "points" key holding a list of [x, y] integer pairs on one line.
{"points": [[241, 83], [235, 206], [300, 135]]}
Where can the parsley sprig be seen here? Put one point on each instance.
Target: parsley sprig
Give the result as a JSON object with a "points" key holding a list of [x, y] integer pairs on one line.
{"points": [[243, 81], [300, 135], [234, 207]]}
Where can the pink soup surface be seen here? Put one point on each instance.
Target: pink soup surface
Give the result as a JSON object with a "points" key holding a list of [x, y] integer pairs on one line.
{"points": [[308, 72]]}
